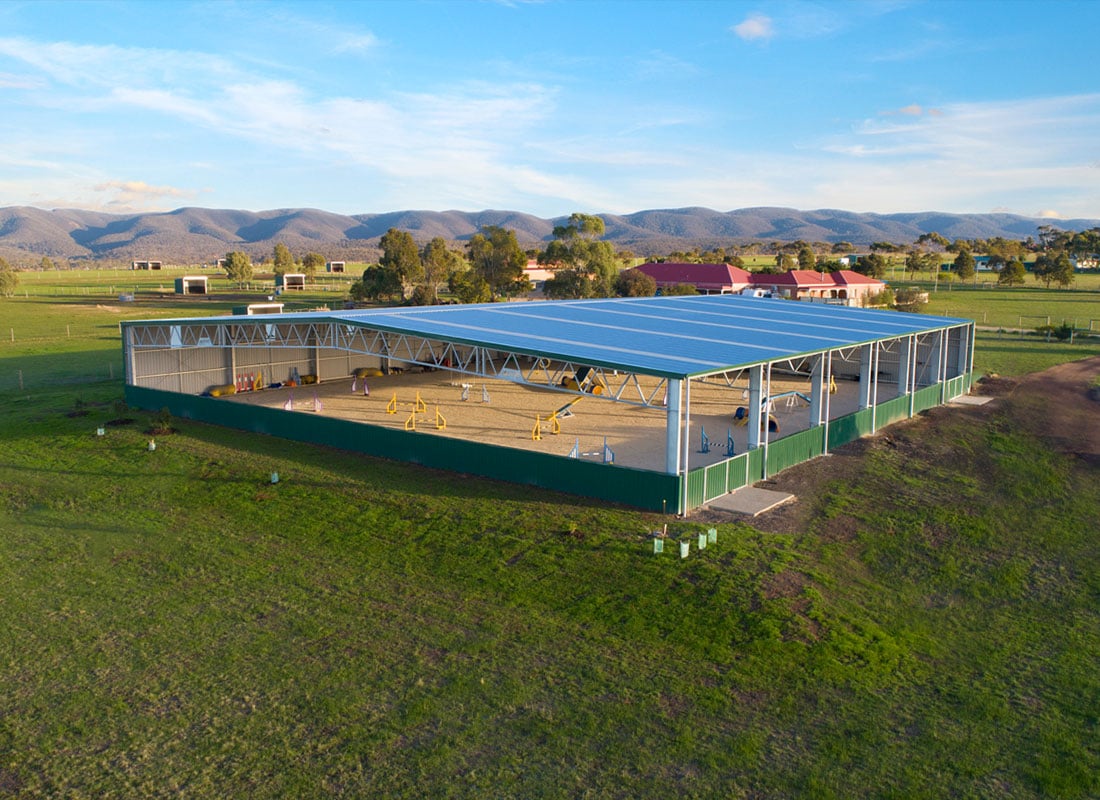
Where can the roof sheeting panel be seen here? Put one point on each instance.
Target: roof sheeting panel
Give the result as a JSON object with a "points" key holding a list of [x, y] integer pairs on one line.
{"points": [[666, 336]]}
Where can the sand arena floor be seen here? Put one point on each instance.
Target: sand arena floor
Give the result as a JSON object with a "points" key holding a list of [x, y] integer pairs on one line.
{"points": [[635, 435]]}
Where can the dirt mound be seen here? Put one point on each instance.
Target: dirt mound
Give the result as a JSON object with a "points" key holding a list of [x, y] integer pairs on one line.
{"points": [[1057, 404]]}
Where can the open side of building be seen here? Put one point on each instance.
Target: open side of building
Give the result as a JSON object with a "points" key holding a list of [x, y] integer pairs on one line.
{"points": [[650, 354]]}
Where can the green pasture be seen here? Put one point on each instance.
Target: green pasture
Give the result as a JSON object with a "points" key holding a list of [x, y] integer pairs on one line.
{"points": [[176, 623], [109, 283]]}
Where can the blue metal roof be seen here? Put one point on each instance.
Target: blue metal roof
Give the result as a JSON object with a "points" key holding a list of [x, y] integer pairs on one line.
{"points": [[665, 336]]}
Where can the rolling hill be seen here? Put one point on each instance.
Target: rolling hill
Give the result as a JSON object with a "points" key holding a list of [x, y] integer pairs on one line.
{"points": [[191, 235]]}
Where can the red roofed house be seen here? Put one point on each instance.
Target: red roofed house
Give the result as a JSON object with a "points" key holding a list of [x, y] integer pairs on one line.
{"points": [[854, 286], [843, 287], [706, 278]]}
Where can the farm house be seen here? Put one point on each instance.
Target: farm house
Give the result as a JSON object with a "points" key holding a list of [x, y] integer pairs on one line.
{"points": [[664, 403]]}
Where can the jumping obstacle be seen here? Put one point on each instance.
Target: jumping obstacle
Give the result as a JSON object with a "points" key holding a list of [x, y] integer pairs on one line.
{"points": [[704, 441], [418, 406], [485, 394], [317, 407], [440, 420], [792, 398], [731, 451], [606, 454], [555, 426], [465, 392], [566, 411]]}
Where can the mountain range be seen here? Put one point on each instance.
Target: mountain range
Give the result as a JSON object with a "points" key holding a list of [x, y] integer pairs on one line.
{"points": [[193, 235]]}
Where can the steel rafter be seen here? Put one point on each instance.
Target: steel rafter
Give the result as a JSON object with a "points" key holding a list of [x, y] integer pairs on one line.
{"points": [[474, 360]]}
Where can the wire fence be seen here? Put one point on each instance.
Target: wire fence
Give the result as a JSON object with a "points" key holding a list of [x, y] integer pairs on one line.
{"points": [[19, 380]]}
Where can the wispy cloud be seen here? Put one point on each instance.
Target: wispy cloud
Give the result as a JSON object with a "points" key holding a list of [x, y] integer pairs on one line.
{"points": [[755, 27], [136, 195], [9, 81]]}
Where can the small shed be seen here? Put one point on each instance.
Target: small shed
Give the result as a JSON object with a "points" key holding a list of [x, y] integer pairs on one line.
{"points": [[192, 284], [335, 266], [291, 280], [146, 265], [252, 309]]}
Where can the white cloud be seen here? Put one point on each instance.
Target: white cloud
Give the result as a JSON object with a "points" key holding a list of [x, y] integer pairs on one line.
{"points": [[754, 27], [9, 81]]}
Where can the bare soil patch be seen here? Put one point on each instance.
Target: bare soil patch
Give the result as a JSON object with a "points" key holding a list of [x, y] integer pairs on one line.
{"points": [[1055, 403]]}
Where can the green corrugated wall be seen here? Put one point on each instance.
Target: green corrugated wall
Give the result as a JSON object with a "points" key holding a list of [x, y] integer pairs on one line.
{"points": [[654, 491], [703, 484]]}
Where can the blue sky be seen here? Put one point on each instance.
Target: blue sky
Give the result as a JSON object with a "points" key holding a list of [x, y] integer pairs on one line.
{"points": [[552, 107]]}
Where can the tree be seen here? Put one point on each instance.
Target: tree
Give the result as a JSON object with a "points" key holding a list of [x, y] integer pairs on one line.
{"points": [[1054, 267], [311, 263], [635, 283], [592, 264], [1011, 274], [47, 263], [568, 284], [785, 262], [932, 238], [583, 226], [9, 279], [381, 284], [468, 286], [873, 266], [496, 257], [679, 289], [806, 258], [1052, 238], [917, 261], [964, 265], [238, 267], [438, 262], [401, 256], [910, 299], [283, 260]]}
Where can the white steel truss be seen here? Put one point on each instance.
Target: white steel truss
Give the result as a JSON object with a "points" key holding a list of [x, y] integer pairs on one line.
{"points": [[475, 360]]}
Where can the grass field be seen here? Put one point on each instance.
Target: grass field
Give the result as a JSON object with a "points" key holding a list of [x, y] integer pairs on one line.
{"points": [[176, 624]]}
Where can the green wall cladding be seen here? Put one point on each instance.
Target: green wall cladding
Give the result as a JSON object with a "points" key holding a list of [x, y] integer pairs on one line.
{"points": [[653, 491], [795, 449], [713, 481]]}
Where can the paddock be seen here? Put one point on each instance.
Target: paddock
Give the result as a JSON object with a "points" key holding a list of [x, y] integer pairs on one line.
{"points": [[664, 403]]}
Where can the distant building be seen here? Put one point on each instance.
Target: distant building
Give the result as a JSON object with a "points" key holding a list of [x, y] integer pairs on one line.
{"points": [[537, 275], [706, 278], [335, 266], [291, 281], [146, 265], [192, 284], [843, 287]]}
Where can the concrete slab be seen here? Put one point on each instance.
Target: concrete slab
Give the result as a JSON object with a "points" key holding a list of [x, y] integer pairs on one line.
{"points": [[970, 400], [750, 501]]}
